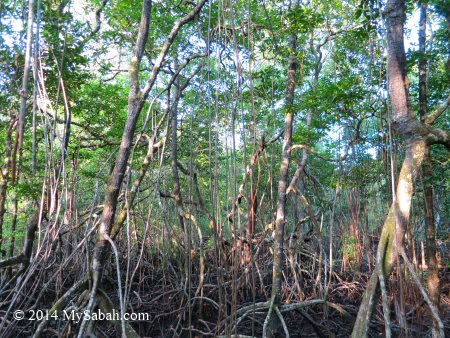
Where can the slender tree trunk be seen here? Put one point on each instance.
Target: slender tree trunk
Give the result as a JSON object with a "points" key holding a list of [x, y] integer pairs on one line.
{"points": [[136, 100], [4, 178], [280, 220], [174, 155], [116, 177], [282, 183], [252, 207], [430, 235], [430, 229], [16, 150], [26, 75], [12, 238], [153, 147], [423, 100]]}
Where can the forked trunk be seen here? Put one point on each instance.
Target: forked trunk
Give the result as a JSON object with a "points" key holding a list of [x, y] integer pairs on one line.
{"points": [[392, 235], [418, 136]]}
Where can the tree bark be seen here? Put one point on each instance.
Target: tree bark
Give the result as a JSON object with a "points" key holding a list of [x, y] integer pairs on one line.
{"points": [[280, 220], [26, 75], [430, 235], [136, 100], [4, 178], [116, 177], [174, 155], [392, 234], [417, 136], [153, 147], [430, 230]]}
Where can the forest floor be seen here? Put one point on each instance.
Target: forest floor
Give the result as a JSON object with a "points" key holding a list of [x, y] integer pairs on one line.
{"points": [[160, 289]]}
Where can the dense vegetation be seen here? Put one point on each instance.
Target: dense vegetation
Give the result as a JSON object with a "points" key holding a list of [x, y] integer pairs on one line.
{"points": [[224, 168]]}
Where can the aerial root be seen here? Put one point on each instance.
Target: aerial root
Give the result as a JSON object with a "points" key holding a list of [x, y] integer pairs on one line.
{"points": [[102, 301], [271, 308], [384, 298], [61, 303], [283, 323], [105, 304], [433, 308]]}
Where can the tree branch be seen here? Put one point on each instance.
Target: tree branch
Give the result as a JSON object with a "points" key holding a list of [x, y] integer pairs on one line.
{"points": [[165, 48], [433, 116]]}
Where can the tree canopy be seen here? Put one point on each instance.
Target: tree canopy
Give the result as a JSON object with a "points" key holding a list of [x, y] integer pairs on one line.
{"points": [[224, 168]]}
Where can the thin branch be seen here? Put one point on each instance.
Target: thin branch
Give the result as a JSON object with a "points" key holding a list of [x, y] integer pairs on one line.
{"points": [[433, 116], [165, 48], [19, 259], [98, 20]]}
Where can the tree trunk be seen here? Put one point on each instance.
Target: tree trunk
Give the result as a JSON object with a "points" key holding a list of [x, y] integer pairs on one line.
{"points": [[116, 177], [26, 75], [417, 136], [280, 220], [430, 234], [174, 155], [136, 100], [4, 177], [430, 230], [415, 153]]}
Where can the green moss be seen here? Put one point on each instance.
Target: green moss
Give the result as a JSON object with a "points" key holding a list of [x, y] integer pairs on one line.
{"points": [[386, 241]]}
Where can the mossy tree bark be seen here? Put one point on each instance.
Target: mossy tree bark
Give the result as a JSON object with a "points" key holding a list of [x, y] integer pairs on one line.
{"points": [[116, 178]]}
